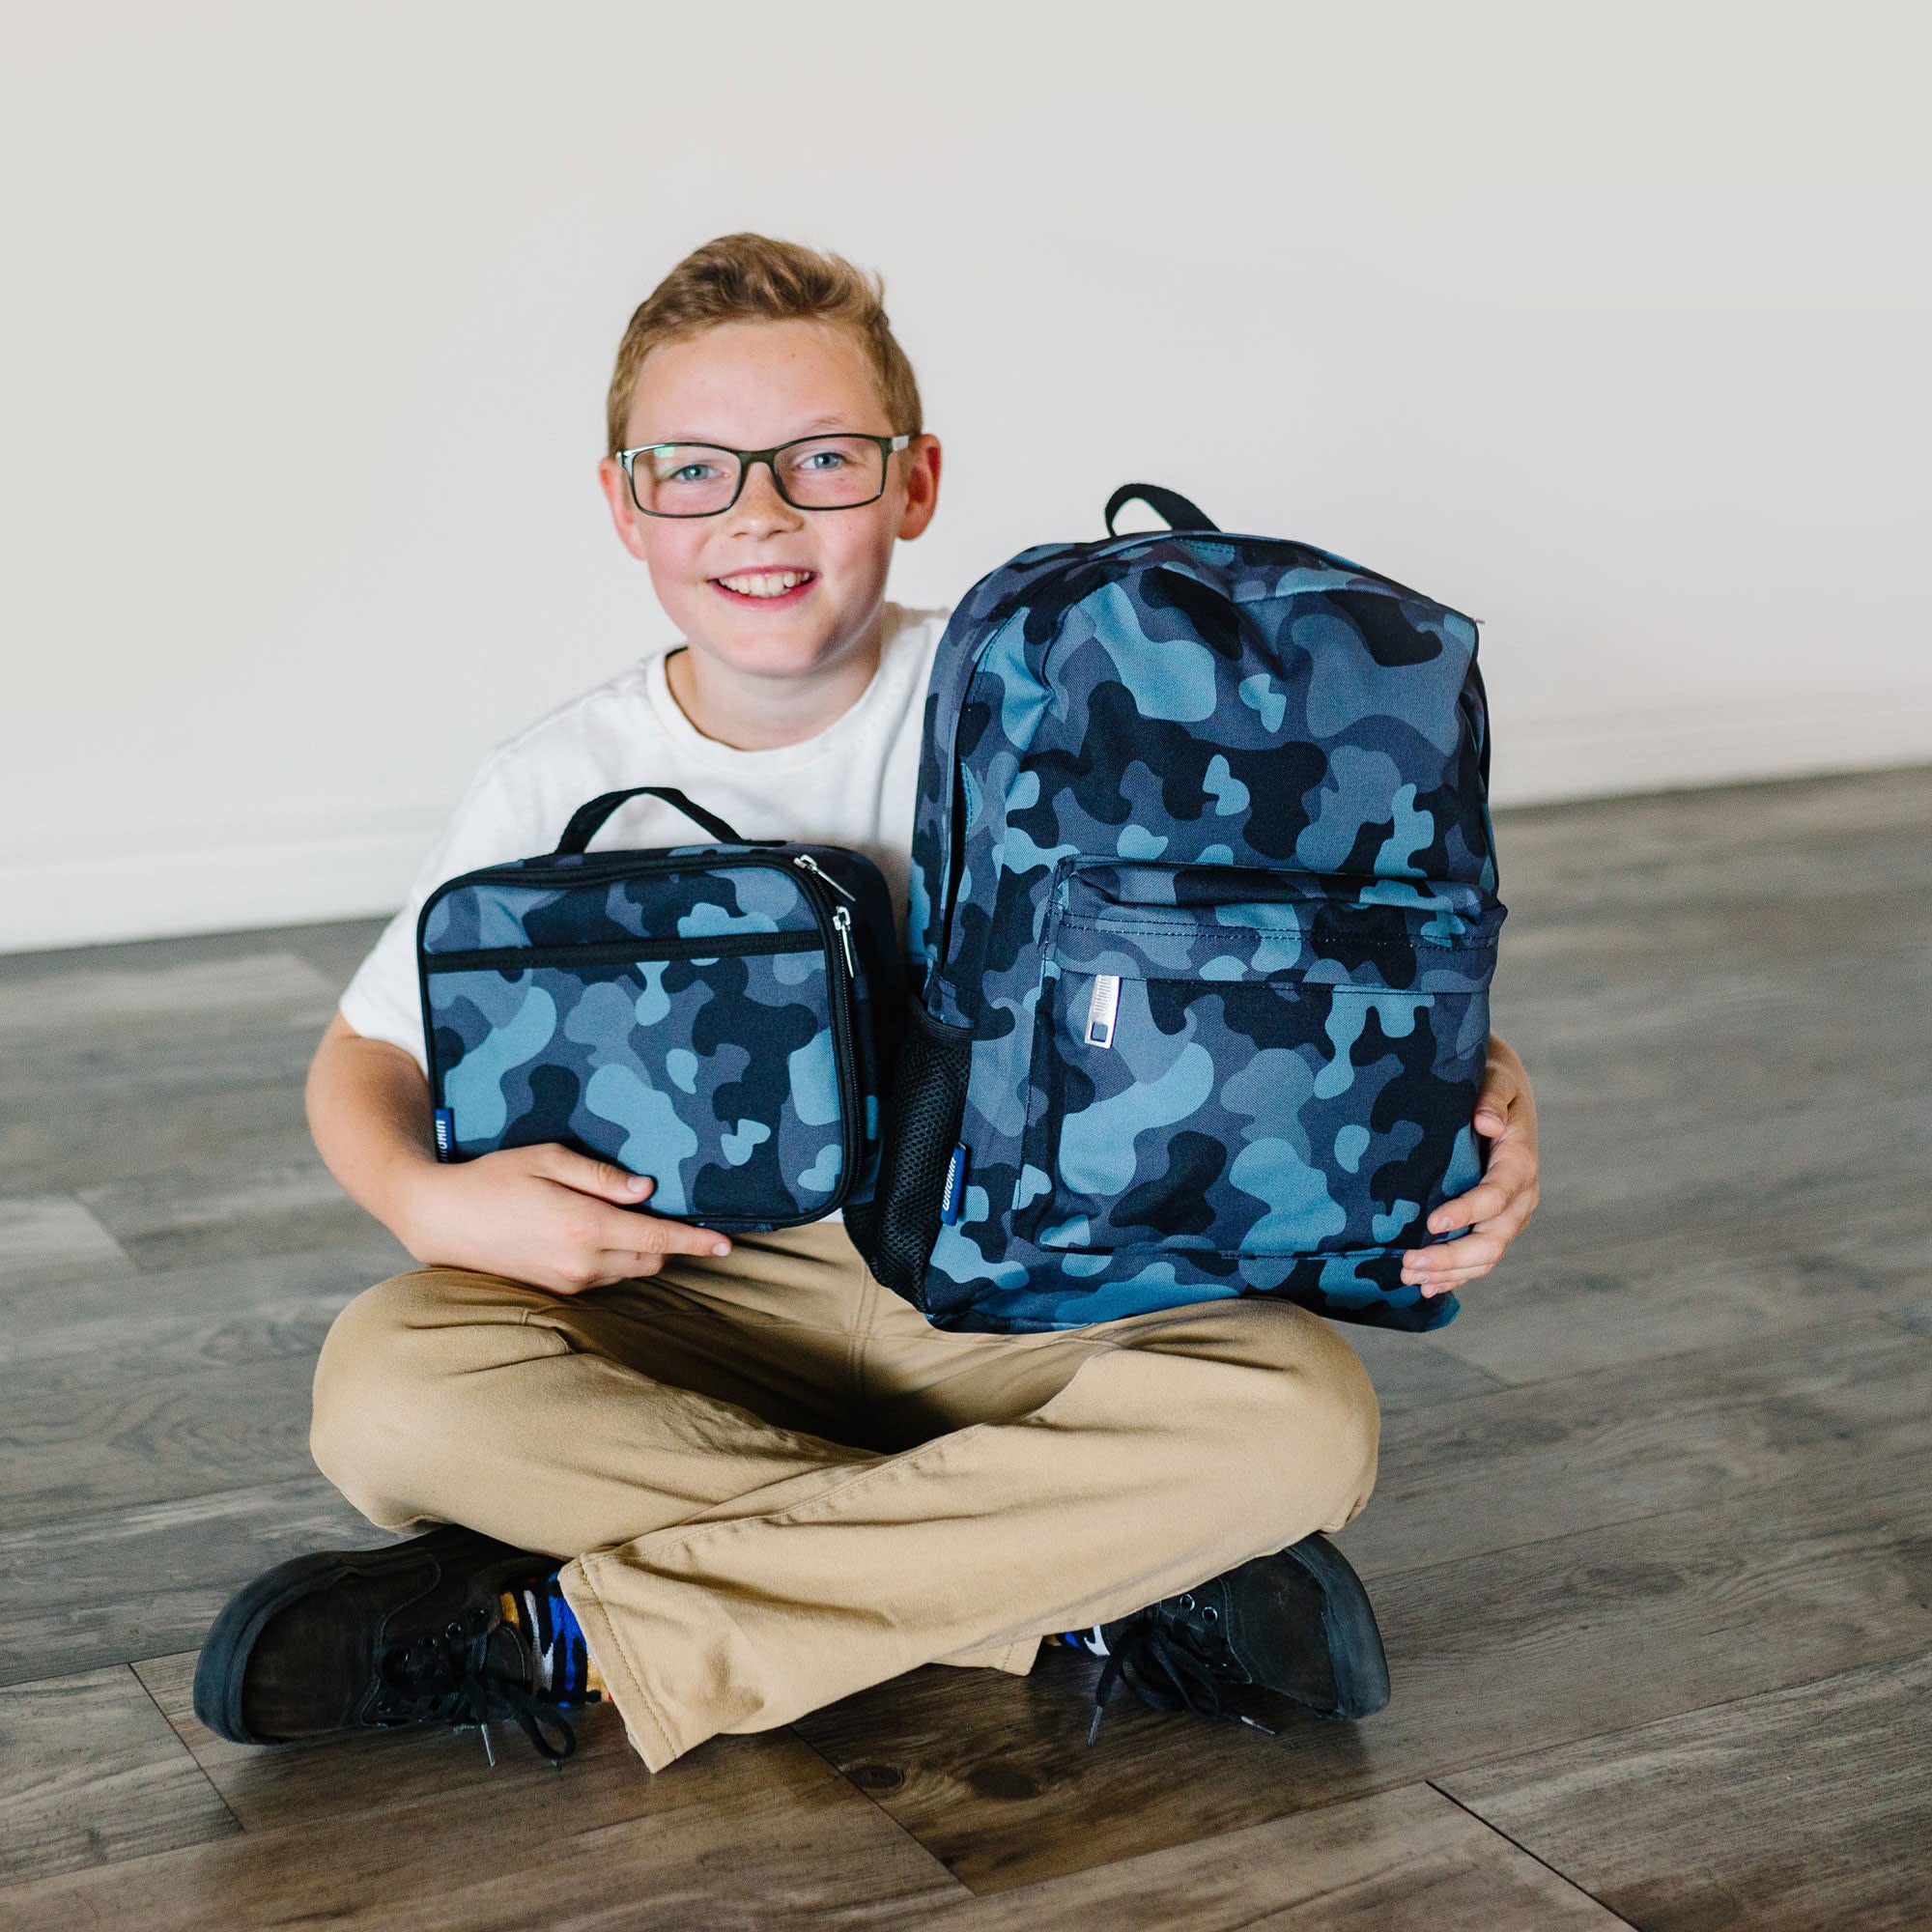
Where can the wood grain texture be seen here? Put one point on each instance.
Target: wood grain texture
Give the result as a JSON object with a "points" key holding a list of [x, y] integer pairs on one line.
{"points": [[1916, 1317], [185, 1217], [1584, 1451], [1732, 1144], [53, 1237], [78, 1453], [147, 1581], [744, 1835], [1597, 862], [1805, 1807], [112, 1071], [1399, 1860], [1410, 1374], [118, 1330], [1664, 1273], [91, 1774], [333, 947], [1491, 1657], [99, 992], [60, 1133]]}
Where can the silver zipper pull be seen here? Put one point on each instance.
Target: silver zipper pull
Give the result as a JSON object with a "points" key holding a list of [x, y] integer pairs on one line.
{"points": [[808, 862], [842, 920], [1102, 1008]]}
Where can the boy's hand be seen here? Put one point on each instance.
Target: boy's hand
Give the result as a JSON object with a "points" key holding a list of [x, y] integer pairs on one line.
{"points": [[1496, 1209], [542, 1215]]}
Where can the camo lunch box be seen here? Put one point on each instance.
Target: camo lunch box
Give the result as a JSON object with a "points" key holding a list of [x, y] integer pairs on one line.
{"points": [[714, 1016]]}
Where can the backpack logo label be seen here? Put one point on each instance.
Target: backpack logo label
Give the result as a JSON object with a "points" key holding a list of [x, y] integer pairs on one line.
{"points": [[445, 1132], [954, 1195]]}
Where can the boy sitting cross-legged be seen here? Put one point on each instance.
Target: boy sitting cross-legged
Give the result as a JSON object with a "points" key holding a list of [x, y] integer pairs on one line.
{"points": [[721, 1482]]}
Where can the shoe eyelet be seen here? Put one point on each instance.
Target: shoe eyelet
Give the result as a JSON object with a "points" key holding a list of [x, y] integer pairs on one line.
{"points": [[1187, 1602], [1212, 1615]]}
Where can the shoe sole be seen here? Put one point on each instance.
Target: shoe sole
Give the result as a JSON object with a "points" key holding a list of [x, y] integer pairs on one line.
{"points": [[222, 1666], [1354, 1639]]}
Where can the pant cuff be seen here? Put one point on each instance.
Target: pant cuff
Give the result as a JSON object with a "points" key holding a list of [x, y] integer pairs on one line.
{"points": [[647, 1730]]}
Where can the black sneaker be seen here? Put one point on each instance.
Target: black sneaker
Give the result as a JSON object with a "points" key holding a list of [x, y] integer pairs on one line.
{"points": [[1296, 1623], [410, 1635]]}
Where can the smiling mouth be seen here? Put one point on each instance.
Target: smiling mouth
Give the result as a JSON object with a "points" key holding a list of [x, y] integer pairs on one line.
{"points": [[765, 585]]}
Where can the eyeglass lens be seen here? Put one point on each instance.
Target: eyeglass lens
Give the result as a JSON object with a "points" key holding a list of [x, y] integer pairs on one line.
{"points": [[695, 479]]}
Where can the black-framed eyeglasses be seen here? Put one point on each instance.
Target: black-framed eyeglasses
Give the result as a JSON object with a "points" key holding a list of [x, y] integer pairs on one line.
{"points": [[812, 472]]}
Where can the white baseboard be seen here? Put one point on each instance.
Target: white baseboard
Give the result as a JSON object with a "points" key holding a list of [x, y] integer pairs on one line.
{"points": [[1540, 759], [169, 881], [159, 887]]}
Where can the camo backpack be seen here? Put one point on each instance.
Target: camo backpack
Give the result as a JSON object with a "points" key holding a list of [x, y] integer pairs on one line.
{"points": [[1204, 922]]}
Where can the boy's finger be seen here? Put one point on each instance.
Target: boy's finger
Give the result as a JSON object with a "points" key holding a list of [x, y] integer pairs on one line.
{"points": [[1462, 1277], [1463, 1271], [1506, 1215], [677, 1237], [626, 1264], [1434, 1280], [1483, 1202], [1511, 1171], [601, 1178], [1498, 1090], [1445, 1257], [637, 1264], [1452, 1267]]}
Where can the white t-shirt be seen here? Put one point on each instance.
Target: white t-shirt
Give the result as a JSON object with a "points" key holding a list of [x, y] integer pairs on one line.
{"points": [[854, 785]]}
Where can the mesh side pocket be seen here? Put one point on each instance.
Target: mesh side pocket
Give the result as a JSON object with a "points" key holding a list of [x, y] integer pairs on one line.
{"points": [[896, 1230]]}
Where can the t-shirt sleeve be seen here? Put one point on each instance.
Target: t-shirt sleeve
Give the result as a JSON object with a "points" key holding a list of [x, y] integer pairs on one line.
{"points": [[497, 820]]}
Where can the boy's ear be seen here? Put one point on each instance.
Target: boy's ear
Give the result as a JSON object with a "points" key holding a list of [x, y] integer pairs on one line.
{"points": [[922, 462], [623, 512]]}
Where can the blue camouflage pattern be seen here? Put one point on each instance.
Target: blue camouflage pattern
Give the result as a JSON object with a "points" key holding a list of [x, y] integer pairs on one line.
{"points": [[680, 1019], [1246, 781]]}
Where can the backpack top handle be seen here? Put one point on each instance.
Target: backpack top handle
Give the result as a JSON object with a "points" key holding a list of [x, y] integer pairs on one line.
{"points": [[1168, 504], [587, 820]]}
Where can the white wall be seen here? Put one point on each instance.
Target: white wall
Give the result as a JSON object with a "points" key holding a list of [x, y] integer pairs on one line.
{"points": [[1606, 324]]}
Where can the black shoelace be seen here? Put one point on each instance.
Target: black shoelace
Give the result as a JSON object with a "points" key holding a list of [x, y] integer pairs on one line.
{"points": [[448, 1677], [1169, 1667]]}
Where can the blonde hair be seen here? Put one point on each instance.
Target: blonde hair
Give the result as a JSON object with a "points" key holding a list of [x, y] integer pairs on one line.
{"points": [[754, 279]]}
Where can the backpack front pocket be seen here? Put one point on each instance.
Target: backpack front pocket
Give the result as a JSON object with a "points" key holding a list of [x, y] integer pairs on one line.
{"points": [[716, 1065], [1254, 1063]]}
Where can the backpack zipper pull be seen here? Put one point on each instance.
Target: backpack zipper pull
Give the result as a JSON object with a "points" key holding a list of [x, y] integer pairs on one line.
{"points": [[808, 862], [842, 920], [1102, 1009]]}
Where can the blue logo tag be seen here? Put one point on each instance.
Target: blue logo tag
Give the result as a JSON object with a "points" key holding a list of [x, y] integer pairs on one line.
{"points": [[955, 1197], [446, 1133]]}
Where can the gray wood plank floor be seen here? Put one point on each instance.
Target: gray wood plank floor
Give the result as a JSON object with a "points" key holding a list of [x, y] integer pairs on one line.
{"points": [[1652, 1546]]}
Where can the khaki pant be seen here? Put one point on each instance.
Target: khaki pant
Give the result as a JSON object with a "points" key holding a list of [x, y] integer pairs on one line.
{"points": [[778, 1484]]}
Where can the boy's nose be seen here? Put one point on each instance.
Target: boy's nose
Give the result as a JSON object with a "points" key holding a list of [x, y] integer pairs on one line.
{"points": [[760, 506]]}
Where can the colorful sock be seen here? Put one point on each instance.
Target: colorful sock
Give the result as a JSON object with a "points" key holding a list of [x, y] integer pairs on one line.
{"points": [[564, 1668]]}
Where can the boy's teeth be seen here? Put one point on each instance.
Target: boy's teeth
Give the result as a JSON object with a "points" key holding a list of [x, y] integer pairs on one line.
{"points": [[765, 583]]}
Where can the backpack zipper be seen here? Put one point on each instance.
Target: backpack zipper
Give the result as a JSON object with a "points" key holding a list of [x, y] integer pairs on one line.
{"points": [[806, 863], [625, 952]]}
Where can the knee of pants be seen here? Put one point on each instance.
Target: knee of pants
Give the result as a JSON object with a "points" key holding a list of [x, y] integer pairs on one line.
{"points": [[1303, 1435], [397, 1373]]}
